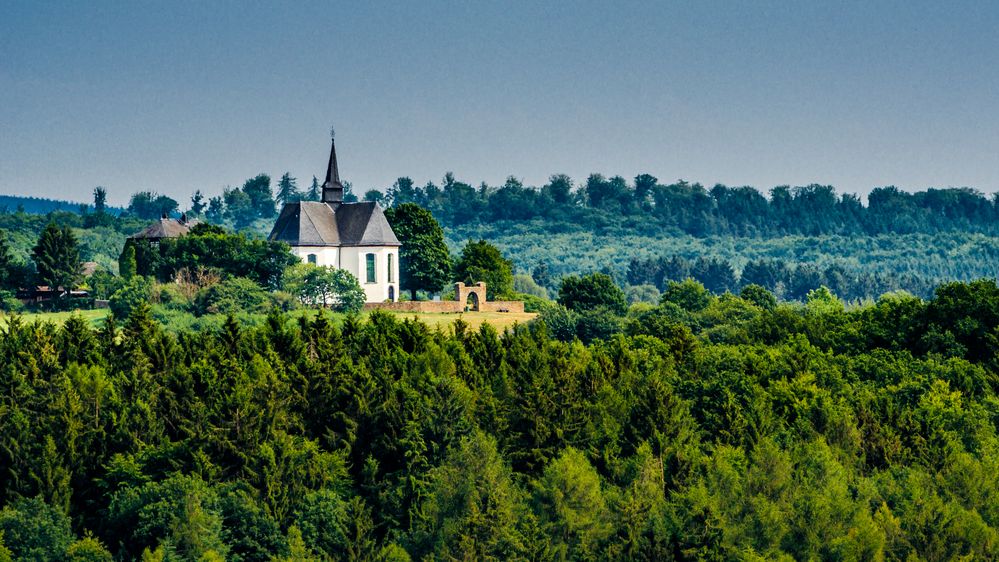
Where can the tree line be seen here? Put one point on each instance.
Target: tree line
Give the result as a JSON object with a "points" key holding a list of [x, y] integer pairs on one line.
{"points": [[648, 205], [787, 281], [644, 203]]}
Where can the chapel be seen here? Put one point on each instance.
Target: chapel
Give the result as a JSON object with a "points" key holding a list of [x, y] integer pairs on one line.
{"points": [[351, 236]]}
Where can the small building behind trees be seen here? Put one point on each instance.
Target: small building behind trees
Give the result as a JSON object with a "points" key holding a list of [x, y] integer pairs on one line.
{"points": [[165, 227]]}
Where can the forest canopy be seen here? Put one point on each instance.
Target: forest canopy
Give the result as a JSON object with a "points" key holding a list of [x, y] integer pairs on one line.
{"points": [[712, 428]]}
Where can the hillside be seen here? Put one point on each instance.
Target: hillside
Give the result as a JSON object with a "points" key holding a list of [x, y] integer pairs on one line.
{"points": [[39, 206]]}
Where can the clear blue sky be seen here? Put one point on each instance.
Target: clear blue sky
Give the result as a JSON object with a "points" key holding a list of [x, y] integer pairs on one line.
{"points": [[178, 96]]}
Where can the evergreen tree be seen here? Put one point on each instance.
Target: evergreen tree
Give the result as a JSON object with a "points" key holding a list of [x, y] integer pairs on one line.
{"points": [[57, 257], [315, 192], [287, 191], [348, 193], [126, 263]]}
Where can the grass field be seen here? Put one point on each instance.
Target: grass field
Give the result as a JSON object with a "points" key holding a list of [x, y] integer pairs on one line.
{"points": [[95, 317], [499, 320]]}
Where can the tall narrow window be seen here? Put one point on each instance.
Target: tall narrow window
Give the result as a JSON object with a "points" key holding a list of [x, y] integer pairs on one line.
{"points": [[312, 259], [370, 259], [391, 274]]}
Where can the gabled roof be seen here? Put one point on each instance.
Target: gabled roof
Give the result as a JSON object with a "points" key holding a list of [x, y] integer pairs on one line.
{"points": [[313, 223], [164, 228]]}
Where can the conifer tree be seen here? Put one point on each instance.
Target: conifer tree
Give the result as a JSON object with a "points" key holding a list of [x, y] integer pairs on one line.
{"points": [[287, 191], [314, 192], [57, 257], [127, 264]]}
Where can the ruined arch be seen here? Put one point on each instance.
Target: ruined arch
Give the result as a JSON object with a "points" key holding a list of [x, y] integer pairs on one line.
{"points": [[470, 296]]}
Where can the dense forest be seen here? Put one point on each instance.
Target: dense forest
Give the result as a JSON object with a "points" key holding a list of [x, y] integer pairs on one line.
{"points": [[645, 206], [708, 392], [809, 236], [712, 428]]}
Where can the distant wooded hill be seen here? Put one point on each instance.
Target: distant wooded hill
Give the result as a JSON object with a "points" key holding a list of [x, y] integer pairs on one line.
{"points": [[40, 206]]}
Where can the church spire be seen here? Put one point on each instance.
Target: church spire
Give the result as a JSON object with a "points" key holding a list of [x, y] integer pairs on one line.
{"points": [[332, 188]]}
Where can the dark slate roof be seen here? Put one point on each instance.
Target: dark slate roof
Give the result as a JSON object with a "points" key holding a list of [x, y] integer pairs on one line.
{"points": [[313, 223], [164, 228]]}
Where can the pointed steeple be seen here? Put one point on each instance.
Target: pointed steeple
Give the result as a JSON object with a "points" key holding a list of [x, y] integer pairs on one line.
{"points": [[332, 188]]}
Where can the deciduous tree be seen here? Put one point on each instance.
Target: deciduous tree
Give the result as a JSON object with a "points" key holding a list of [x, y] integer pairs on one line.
{"points": [[481, 261], [424, 260]]}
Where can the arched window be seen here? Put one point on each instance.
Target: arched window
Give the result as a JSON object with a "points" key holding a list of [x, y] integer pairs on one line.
{"points": [[370, 263], [391, 274], [313, 259]]}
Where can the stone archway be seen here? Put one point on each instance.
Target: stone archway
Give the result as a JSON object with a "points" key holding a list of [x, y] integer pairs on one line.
{"points": [[470, 297], [473, 302]]}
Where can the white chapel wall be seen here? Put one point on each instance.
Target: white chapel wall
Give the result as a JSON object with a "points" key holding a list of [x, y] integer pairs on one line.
{"points": [[325, 255], [353, 259]]}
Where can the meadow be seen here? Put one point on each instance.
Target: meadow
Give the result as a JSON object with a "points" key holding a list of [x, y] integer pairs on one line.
{"points": [[94, 318]]}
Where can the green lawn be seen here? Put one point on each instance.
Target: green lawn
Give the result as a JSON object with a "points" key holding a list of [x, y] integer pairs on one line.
{"points": [[95, 317], [499, 320]]}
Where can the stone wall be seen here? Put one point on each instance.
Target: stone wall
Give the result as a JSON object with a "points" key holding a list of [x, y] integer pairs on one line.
{"points": [[502, 306], [471, 297], [416, 306]]}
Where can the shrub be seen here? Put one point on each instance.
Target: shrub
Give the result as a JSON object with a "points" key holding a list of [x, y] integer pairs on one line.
{"points": [[329, 287], [9, 303], [169, 295], [532, 303], [232, 296], [102, 284], [138, 290]]}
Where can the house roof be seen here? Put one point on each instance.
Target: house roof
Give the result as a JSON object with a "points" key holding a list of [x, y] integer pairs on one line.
{"points": [[314, 223], [164, 228]]}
